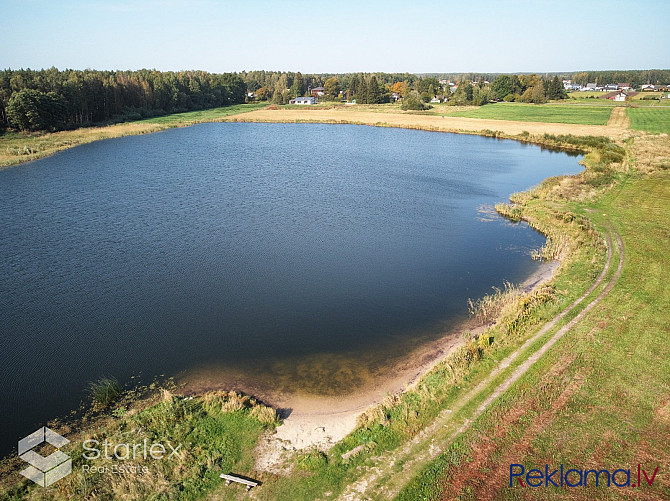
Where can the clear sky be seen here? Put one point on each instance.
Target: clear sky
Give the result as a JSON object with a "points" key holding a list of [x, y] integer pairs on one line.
{"points": [[337, 36]]}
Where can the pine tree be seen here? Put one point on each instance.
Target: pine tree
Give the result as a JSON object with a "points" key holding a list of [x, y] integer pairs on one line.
{"points": [[556, 90], [374, 92], [362, 92], [353, 86]]}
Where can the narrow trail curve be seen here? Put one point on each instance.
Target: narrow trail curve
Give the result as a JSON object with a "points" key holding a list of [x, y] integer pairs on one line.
{"points": [[385, 481]]}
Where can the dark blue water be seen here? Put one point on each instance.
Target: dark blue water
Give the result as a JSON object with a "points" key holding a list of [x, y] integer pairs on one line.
{"points": [[243, 245]]}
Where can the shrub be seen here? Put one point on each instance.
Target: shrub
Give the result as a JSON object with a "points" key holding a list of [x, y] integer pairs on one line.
{"points": [[412, 101], [313, 461], [104, 391], [265, 415]]}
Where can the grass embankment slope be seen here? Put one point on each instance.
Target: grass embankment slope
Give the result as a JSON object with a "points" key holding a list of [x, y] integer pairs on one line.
{"points": [[16, 148], [212, 433], [601, 397]]}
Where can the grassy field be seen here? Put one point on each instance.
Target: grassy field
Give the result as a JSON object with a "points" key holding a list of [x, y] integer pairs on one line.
{"points": [[587, 94], [550, 113], [644, 96], [601, 397], [18, 147], [655, 120], [210, 115]]}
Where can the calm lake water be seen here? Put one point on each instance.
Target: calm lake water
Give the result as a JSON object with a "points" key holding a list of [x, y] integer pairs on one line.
{"points": [[245, 246]]}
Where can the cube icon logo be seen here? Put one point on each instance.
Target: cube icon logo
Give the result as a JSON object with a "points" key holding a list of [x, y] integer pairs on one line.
{"points": [[44, 471]]}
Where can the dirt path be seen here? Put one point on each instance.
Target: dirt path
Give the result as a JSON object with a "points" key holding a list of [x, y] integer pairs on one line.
{"points": [[385, 480], [618, 118]]}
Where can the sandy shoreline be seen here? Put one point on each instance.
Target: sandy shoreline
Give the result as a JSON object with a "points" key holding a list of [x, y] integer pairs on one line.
{"points": [[322, 421]]}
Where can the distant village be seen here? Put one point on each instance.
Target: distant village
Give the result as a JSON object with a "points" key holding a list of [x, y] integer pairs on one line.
{"points": [[616, 92], [421, 91]]}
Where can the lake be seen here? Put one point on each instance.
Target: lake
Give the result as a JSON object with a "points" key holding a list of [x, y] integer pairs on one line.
{"points": [[250, 248]]}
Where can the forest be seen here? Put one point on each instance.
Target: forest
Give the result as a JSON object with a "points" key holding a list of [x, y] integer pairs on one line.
{"points": [[56, 100]]}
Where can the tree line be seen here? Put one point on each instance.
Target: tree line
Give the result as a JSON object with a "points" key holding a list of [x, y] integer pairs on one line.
{"points": [[375, 88], [634, 77], [54, 100], [469, 88]]}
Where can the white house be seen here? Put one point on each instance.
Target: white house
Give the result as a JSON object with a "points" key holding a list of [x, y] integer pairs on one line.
{"points": [[303, 100], [621, 96]]}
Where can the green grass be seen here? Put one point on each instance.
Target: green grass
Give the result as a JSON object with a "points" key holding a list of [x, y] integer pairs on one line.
{"points": [[586, 94], [209, 115], [217, 433], [599, 397], [550, 113], [644, 96], [655, 120]]}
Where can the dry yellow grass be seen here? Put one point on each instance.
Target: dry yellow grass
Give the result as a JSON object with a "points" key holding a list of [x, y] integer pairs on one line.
{"points": [[425, 122], [18, 148], [651, 152]]}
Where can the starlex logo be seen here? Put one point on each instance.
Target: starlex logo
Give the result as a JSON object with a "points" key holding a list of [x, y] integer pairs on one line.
{"points": [[574, 477], [45, 471]]}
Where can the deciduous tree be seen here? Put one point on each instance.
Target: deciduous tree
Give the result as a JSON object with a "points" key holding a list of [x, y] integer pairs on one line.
{"points": [[331, 88]]}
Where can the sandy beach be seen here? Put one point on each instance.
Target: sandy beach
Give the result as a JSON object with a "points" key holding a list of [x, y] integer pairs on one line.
{"points": [[321, 421]]}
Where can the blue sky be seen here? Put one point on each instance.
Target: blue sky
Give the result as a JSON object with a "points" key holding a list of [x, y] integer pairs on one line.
{"points": [[337, 36]]}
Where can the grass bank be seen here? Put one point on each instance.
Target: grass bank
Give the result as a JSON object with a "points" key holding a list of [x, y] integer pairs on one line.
{"points": [[213, 433], [601, 397]]}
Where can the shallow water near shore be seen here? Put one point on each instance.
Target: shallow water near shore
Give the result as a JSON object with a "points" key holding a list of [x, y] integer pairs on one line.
{"points": [[302, 258]]}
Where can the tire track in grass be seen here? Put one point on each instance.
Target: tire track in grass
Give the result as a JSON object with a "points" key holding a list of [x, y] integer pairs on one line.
{"points": [[385, 480]]}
